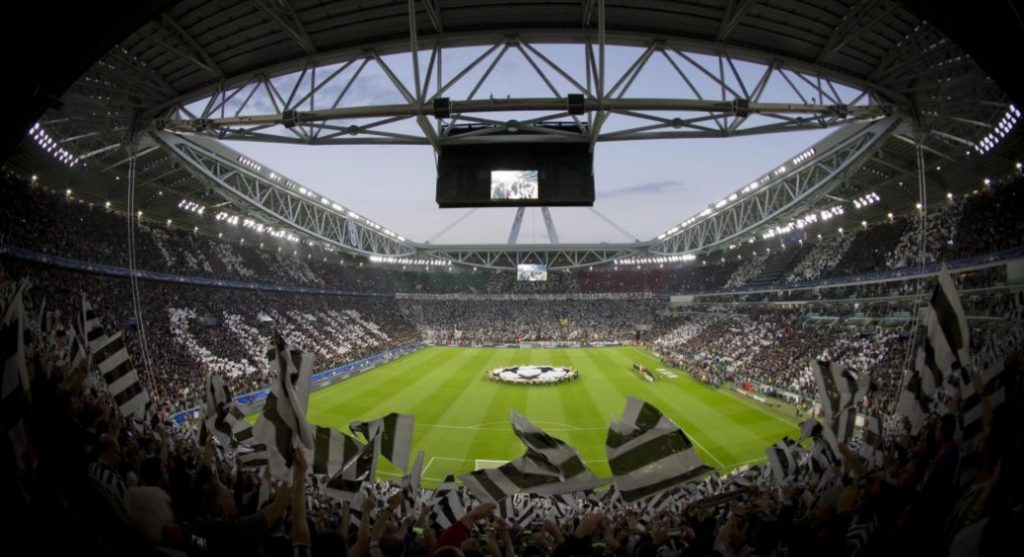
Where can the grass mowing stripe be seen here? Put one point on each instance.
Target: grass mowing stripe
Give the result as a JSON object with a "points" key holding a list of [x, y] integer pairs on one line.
{"points": [[462, 417]]}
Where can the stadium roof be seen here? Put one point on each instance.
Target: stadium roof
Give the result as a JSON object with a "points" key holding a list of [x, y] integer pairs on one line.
{"points": [[256, 70]]}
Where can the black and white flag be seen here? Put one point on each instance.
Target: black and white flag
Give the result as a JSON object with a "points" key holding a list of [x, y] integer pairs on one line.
{"points": [[16, 400], [942, 359], [347, 483], [411, 484], [575, 476], [871, 441], [253, 456], [446, 505], [222, 417], [525, 511], [825, 443], [95, 337], [284, 426], [77, 354], [839, 390], [530, 473], [331, 450], [115, 366], [648, 453], [395, 434], [783, 458], [982, 396]]}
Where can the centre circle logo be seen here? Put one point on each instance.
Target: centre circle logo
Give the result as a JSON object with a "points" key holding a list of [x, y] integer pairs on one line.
{"points": [[532, 375]]}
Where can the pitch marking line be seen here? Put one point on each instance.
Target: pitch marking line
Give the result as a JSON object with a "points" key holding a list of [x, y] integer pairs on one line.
{"points": [[427, 467], [752, 461], [705, 449], [753, 405], [483, 463], [431, 461]]}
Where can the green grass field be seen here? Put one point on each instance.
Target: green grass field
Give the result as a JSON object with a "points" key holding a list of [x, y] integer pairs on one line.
{"points": [[463, 418]]}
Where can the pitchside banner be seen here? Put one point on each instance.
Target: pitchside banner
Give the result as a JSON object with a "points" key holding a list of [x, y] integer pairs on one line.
{"points": [[251, 401]]}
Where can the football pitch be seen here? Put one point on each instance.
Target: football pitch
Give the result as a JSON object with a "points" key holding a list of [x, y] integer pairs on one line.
{"points": [[462, 418]]}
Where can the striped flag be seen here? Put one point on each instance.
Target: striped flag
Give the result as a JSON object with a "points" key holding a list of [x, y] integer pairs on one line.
{"points": [[562, 504], [648, 453], [943, 357], [347, 483], [782, 458], [659, 501], [115, 366], [746, 477], [447, 506], [507, 509], [525, 512], [16, 397], [839, 390], [947, 343], [411, 484], [826, 446], [395, 434], [530, 473], [556, 452], [222, 417], [253, 456], [564, 499], [76, 350], [605, 498], [871, 442], [284, 415], [331, 450], [992, 391], [95, 337], [977, 407]]}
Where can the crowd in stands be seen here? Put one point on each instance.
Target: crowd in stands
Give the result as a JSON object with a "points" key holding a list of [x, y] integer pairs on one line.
{"points": [[95, 482], [498, 321], [963, 227], [824, 255], [868, 250], [988, 225], [749, 269], [191, 331], [198, 330], [776, 347], [939, 227]]}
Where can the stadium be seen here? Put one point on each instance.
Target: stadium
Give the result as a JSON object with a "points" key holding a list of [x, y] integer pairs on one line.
{"points": [[715, 277]]}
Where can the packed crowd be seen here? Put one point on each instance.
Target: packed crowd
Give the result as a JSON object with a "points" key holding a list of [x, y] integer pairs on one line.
{"points": [[939, 227], [113, 486], [963, 227], [775, 348], [824, 255], [198, 330], [191, 331], [497, 321]]}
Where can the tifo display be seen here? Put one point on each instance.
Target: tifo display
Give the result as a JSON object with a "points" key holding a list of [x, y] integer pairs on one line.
{"points": [[532, 375]]}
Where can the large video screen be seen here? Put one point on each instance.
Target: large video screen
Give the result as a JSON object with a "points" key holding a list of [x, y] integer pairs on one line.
{"points": [[514, 184], [515, 175], [532, 272]]}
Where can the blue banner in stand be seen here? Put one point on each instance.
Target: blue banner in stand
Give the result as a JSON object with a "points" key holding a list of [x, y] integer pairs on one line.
{"points": [[319, 381]]}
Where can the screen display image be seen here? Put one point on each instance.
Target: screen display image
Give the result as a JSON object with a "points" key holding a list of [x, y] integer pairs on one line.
{"points": [[515, 175], [532, 273], [514, 184]]}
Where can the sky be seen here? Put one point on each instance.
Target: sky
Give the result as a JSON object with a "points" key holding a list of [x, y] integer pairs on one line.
{"points": [[643, 187]]}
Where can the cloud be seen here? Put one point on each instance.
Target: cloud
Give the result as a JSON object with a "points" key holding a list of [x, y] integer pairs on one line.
{"points": [[649, 188]]}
